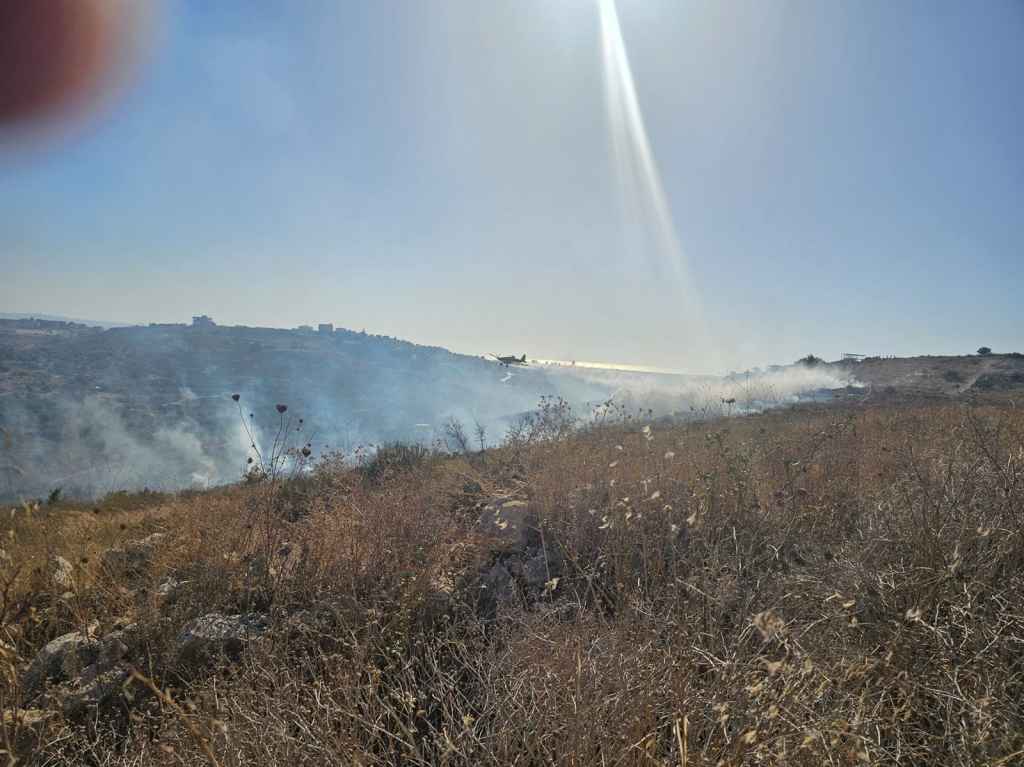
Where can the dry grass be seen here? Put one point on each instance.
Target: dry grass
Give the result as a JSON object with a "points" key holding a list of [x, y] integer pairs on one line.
{"points": [[806, 586]]}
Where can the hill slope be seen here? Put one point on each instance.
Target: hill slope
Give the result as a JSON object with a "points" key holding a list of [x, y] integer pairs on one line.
{"points": [[152, 404], [133, 406], [940, 375]]}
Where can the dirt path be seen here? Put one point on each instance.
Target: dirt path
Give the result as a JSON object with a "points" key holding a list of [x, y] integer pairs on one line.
{"points": [[986, 367]]}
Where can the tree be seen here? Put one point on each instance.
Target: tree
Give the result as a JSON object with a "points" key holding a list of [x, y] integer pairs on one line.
{"points": [[455, 438], [810, 359], [984, 351]]}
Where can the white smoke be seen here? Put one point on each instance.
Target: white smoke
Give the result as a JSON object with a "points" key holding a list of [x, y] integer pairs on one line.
{"points": [[684, 395]]}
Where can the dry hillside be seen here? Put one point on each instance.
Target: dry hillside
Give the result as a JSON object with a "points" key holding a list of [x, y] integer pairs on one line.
{"points": [[833, 584], [940, 375]]}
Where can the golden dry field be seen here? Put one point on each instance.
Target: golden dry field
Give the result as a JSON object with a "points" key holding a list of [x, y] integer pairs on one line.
{"points": [[823, 584]]}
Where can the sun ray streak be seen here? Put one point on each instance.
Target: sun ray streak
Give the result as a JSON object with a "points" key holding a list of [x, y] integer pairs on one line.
{"points": [[647, 225]]}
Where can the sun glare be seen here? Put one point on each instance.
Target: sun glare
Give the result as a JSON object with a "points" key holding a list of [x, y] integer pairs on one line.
{"points": [[647, 226]]}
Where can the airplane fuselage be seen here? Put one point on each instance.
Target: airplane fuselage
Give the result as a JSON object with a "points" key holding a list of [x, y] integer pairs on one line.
{"points": [[506, 361]]}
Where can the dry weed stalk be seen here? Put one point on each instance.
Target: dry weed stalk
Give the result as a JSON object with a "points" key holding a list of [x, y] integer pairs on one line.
{"points": [[185, 719]]}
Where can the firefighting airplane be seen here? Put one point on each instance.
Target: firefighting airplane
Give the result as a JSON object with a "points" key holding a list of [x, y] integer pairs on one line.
{"points": [[509, 361]]}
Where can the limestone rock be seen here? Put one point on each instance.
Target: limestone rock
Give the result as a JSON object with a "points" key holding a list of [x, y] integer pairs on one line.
{"points": [[523, 562], [170, 589], [25, 727], [216, 631], [95, 670], [90, 689], [510, 524], [60, 573], [496, 588], [117, 645], [538, 570], [322, 616], [63, 653], [132, 555]]}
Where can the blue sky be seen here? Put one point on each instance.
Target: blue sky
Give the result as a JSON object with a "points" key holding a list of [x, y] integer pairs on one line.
{"points": [[842, 177]]}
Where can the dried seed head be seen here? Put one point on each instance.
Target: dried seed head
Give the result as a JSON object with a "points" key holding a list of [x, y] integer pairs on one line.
{"points": [[281, 408], [235, 397], [769, 624]]}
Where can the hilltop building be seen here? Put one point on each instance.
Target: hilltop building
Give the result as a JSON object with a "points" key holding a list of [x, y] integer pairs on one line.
{"points": [[325, 327], [203, 322]]}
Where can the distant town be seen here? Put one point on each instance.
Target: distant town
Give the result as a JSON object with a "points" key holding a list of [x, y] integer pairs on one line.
{"points": [[31, 326], [34, 327]]}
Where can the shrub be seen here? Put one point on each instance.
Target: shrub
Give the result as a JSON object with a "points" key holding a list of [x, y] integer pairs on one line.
{"points": [[953, 376], [396, 457], [255, 473], [297, 496], [984, 351]]}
